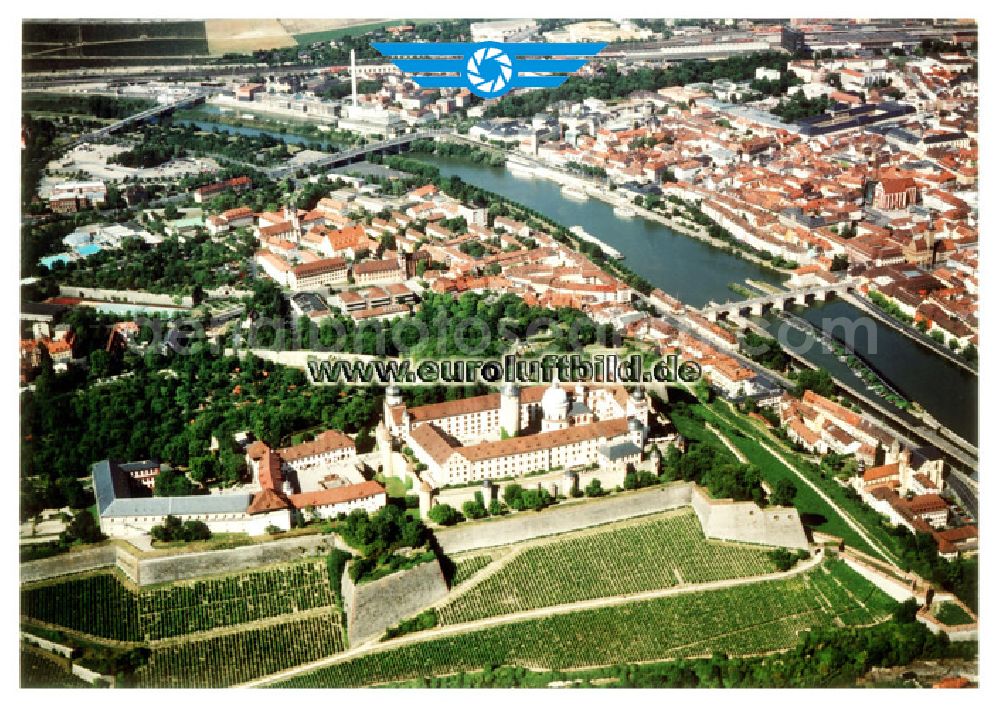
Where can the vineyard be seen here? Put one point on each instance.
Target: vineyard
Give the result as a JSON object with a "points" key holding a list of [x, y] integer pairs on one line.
{"points": [[39, 671], [740, 620], [658, 553], [467, 567], [104, 606], [230, 659]]}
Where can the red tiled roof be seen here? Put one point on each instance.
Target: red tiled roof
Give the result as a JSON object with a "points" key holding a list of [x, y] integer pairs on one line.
{"points": [[338, 495], [267, 500], [326, 441]]}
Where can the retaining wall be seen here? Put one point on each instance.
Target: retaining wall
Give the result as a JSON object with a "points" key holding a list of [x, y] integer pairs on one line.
{"points": [[181, 566], [60, 649], [193, 565], [565, 517], [135, 297], [746, 522], [68, 563], [373, 607]]}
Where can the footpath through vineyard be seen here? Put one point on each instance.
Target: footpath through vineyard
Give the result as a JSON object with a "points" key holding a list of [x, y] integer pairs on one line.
{"points": [[374, 647]]}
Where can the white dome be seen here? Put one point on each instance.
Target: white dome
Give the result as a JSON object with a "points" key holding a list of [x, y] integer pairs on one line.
{"points": [[555, 403]]}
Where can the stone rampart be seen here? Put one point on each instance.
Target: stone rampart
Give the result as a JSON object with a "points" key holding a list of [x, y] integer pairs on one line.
{"points": [[746, 522], [568, 516], [68, 563], [373, 607], [179, 566]]}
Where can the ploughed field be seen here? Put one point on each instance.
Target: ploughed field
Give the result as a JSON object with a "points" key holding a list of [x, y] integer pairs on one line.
{"points": [[740, 620], [657, 552]]}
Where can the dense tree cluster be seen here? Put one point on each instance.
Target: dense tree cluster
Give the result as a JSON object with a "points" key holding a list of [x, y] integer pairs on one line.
{"points": [[173, 416], [173, 266], [172, 529], [765, 351], [617, 84], [797, 107]]}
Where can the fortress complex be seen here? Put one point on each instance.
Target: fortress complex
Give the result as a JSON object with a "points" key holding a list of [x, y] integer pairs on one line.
{"points": [[519, 431]]}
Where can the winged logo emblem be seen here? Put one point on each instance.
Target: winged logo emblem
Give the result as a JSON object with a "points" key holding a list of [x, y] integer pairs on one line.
{"points": [[489, 69]]}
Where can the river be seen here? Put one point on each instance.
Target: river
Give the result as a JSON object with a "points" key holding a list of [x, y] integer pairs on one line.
{"points": [[696, 273], [204, 118]]}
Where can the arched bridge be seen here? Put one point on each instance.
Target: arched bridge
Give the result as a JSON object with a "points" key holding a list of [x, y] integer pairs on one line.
{"points": [[782, 300]]}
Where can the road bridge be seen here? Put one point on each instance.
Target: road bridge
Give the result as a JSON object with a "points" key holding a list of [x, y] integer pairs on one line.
{"points": [[141, 117], [782, 300], [357, 154]]}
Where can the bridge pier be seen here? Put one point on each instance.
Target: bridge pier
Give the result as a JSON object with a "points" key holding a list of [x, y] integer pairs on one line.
{"points": [[757, 309]]}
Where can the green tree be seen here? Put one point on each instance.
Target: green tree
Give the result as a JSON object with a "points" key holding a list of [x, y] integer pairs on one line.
{"points": [[82, 528], [443, 514], [784, 493]]}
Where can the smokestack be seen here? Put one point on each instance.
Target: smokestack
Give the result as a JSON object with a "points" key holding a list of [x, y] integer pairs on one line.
{"points": [[354, 82]]}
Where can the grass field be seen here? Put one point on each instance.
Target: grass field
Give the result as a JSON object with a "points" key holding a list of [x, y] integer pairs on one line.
{"points": [[307, 38], [659, 552], [816, 513], [951, 614], [741, 620], [102, 605]]}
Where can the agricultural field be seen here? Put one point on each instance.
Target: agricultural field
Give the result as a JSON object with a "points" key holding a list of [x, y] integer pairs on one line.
{"points": [[740, 620], [39, 671], [465, 568], [104, 606], [232, 658], [75, 42], [659, 552]]}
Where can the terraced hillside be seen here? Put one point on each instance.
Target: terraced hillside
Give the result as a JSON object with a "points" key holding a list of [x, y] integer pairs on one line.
{"points": [[102, 605], [745, 619], [657, 552]]}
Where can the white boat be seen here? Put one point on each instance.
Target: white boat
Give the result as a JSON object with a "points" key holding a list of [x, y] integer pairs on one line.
{"points": [[574, 193], [624, 212]]}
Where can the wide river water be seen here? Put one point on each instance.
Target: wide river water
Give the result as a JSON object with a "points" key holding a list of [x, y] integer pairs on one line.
{"points": [[696, 272]]}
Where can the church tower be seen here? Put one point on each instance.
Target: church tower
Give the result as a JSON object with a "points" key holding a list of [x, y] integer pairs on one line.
{"points": [[637, 407], [555, 407], [510, 410]]}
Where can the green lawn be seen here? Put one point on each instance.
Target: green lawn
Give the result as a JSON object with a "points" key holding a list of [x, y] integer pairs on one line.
{"points": [[951, 614]]}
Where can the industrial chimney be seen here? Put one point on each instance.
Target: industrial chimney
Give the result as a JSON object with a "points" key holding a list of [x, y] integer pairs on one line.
{"points": [[354, 82]]}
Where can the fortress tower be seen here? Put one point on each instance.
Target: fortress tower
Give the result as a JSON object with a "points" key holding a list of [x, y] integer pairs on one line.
{"points": [[510, 410]]}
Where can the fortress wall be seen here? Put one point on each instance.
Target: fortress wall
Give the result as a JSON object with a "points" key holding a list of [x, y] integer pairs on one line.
{"points": [[68, 563], [892, 587], [373, 607], [745, 521], [194, 565], [568, 516]]}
